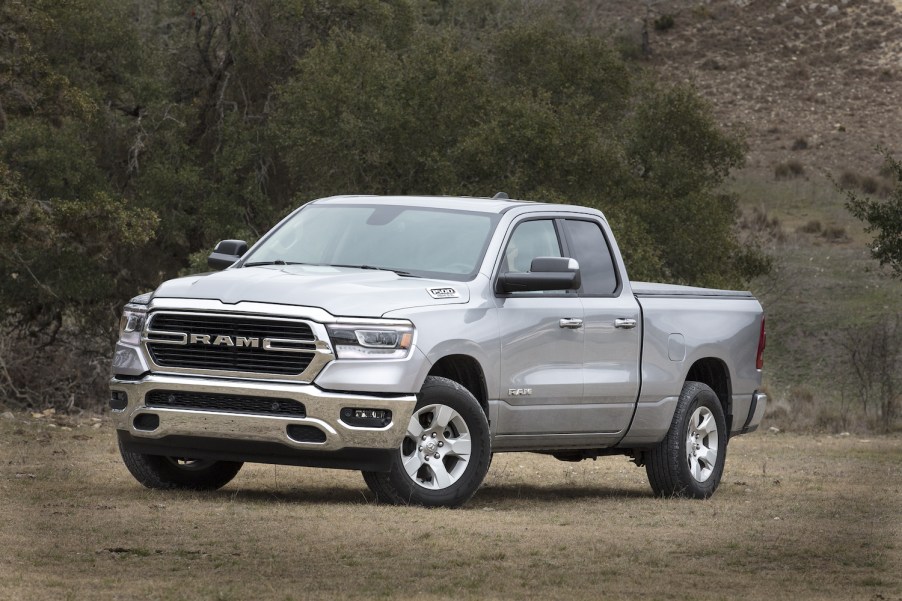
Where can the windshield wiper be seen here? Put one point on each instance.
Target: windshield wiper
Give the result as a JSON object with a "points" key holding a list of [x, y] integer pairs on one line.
{"points": [[276, 262], [397, 271]]}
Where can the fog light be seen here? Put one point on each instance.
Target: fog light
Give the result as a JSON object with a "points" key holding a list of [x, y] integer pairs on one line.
{"points": [[118, 400], [366, 418]]}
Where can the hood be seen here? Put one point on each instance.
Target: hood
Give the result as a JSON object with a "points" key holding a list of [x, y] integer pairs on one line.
{"points": [[342, 291]]}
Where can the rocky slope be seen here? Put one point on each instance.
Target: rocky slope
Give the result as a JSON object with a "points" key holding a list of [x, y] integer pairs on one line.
{"points": [[816, 82]]}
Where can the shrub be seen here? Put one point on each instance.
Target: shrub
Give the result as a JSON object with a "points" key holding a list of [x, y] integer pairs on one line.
{"points": [[874, 354], [758, 220], [849, 179], [834, 233], [789, 169], [869, 185], [664, 22], [882, 218], [812, 227]]}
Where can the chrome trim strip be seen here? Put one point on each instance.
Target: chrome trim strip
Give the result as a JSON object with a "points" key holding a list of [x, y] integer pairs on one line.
{"points": [[178, 338], [268, 345], [315, 314], [193, 305]]}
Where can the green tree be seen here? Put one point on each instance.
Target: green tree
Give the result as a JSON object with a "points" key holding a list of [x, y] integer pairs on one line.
{"points": [[133, 135], [536, 110], [883, 218], [67, 226]]}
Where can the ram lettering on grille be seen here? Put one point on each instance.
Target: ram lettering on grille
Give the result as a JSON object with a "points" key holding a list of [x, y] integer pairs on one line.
{"points": [[230, 343]]}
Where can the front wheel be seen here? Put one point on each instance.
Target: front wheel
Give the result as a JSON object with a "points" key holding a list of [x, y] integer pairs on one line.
{"points": [[444, 455], [689, 461], [157, 471]]}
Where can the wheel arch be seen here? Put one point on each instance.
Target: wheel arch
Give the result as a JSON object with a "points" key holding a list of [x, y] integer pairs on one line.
{"points": [[466, 371], [715, 373]]}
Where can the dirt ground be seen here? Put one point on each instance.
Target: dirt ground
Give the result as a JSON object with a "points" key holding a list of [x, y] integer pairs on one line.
{"points": [[797, 517]]}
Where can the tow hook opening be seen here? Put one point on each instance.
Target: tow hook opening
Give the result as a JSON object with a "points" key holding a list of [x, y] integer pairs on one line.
{"points": [[146, 422], [303, 433]]}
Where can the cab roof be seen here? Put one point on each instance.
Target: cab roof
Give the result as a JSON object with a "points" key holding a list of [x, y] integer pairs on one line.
{"points": [[465, 203]]}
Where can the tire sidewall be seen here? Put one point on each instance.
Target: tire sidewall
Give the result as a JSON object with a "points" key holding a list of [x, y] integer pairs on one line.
{"points": [[158, 472], [701, 396], [440, 391]]}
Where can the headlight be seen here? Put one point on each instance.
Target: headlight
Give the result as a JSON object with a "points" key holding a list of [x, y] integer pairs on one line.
{"points": [[132, 323], [370, 342]]}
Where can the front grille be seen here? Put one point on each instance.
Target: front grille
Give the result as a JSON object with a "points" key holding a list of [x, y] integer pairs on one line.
{"points": [[230, 403], [289, 360]]}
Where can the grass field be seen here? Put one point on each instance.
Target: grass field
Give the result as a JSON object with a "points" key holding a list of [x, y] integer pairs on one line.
{"points": [[797, 517]]}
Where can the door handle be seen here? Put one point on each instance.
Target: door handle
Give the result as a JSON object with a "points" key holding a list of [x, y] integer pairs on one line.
{"points": [[571, 323], [625, 324]]}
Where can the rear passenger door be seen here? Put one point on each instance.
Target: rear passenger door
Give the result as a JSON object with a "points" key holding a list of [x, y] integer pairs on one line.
{"points": [[612, 329]]}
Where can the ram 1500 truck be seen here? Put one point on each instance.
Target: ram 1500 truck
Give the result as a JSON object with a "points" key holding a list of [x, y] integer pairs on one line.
{"points": [[413, 337]]}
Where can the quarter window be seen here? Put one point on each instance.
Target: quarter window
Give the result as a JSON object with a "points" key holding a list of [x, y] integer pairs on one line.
{"points": [[596, 266]]}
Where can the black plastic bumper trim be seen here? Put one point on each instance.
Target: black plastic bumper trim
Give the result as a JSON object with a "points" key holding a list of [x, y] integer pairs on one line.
{"points": [[748, 420], [249, 451]]}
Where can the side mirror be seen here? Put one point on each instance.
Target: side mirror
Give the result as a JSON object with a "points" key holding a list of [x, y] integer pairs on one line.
{"points": [[545, 273], [226, 253]]}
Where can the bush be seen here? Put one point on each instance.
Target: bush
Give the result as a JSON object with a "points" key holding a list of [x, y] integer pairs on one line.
{"points": [[835, 233], [795, 167], [760, 226], [812, 227], [849, 179], [789, 170], [883, 217], [664, 22], [874, 354], [869, 185]]}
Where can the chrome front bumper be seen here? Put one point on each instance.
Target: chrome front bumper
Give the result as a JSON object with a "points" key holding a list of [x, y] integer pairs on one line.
{"points": [[323, 411]]}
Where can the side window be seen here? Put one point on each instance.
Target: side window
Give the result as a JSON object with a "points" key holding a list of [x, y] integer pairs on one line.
{"points": [[596, 266], [531, 239]]}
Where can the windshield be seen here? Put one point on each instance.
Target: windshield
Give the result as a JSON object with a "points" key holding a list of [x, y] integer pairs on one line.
{"points": [[416, 241]]}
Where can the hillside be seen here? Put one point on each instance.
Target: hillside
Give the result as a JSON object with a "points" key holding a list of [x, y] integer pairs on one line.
{"points": [[828, 73], [817, 87]]}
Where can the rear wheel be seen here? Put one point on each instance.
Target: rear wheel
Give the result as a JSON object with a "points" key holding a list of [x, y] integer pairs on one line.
{"points": [[689, 461], [445, 453], [157, 471]]}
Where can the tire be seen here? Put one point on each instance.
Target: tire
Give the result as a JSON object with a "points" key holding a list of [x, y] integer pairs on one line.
{"points": [[374, 483], [689, 461], [445, 454], [170, 473]]}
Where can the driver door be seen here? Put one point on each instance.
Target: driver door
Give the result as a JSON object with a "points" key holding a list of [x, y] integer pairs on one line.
{"points": [[542, 342]]}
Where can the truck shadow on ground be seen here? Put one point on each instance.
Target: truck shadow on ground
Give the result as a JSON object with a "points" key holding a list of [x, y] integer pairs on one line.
{"points": [[496, 494], [549, 494]]}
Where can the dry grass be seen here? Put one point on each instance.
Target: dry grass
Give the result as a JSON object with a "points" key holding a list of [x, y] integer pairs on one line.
{"points": [[796, 517]]}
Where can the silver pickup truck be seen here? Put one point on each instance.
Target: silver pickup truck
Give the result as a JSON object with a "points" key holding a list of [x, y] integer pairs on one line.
{"points": [[413, 337]]}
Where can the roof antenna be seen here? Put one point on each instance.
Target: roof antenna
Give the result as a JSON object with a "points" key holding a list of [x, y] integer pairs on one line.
{"points": [[501, 196]]}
